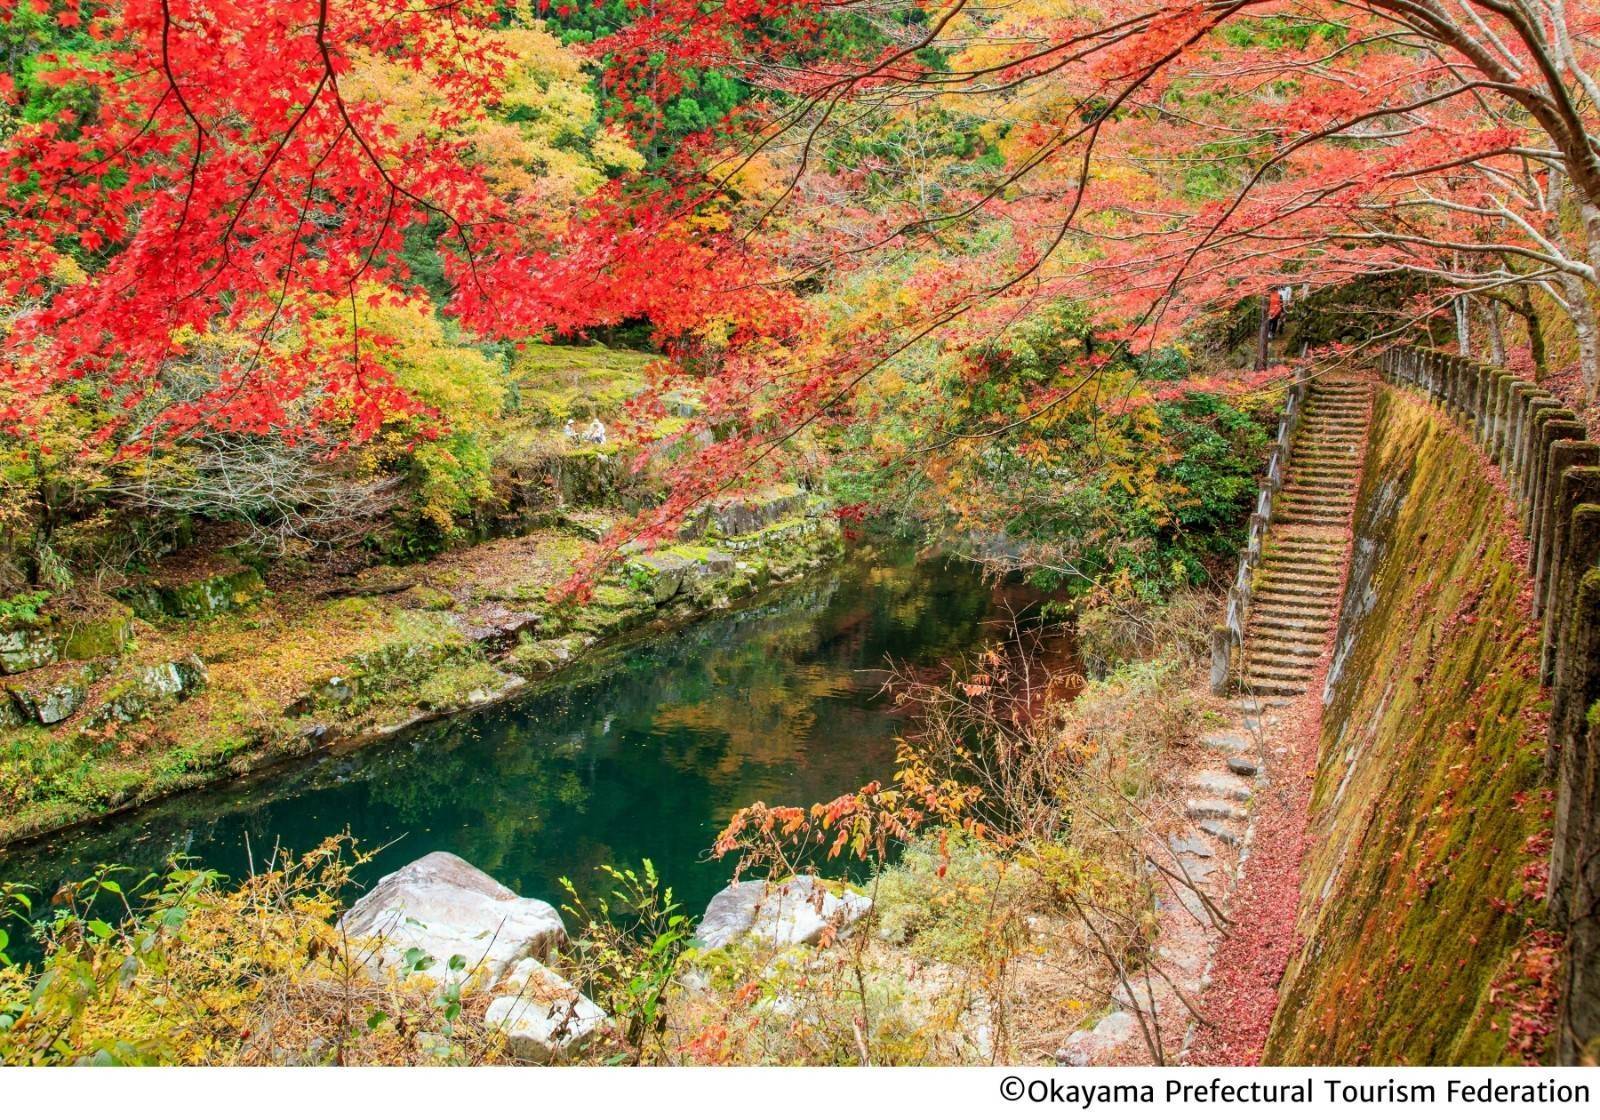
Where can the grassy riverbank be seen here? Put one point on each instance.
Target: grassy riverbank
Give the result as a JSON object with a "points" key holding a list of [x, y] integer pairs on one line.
{"points": [[300, 671]]}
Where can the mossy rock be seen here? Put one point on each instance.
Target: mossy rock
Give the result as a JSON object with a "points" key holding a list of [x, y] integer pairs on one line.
{"points": [[150, 688], [11, 716], [103, 635], [57, 698], [661, 573], [33, 645], [543, 655], [204, 597], [407, 660], [25, 646]]}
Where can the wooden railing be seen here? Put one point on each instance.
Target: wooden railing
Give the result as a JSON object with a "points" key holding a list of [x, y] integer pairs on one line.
{"points": [[1228, 639], [1552, 470]]}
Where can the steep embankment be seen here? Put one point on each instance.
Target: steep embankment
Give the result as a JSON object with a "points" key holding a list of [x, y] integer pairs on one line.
{"points": [[1430, 816]]}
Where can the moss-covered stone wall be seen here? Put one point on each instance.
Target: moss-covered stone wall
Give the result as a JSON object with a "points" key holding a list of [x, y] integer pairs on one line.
{"points": [[1421, 905]]}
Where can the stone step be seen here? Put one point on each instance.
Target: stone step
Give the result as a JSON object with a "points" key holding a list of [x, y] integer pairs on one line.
{"points": [[1213, 808], [1281, 558], [1321, 482], [1325, 580], [1340, 504], [1310, 606], [1279, 645], [1304, 507], [1293, 675], [1298, 658], [1342, 481], [1277, 584], [1325, 479], [1304, 499], [1312, 570], [1282, 626], [1330, 466], [1302, 554], [1304, 575], [1307, 542], [1281, 655], [1350, 408], [1279, 613], [1312, 519], [1220, 784], [1298, 511], [1228, 742], [1274, 688], [1298, 493], [1297, 672], [1260, 645]]}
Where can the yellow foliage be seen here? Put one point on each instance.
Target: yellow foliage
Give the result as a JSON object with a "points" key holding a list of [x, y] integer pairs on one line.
{"points": [[460, 382], [538, 142]]}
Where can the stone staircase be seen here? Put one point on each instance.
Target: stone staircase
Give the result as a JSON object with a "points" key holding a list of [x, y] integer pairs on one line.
{"points": [[1296, 596], [1293, 605]]}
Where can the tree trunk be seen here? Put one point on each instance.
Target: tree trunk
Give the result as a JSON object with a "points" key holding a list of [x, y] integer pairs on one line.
{"points": [[1530, 316], [1261, 334], [1463, 328], [1588, 332], [1497, 339], [1584, 304]]}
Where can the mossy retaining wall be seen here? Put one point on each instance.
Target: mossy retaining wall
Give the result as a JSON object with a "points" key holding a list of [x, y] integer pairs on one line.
{"points": [[1422, 906]]}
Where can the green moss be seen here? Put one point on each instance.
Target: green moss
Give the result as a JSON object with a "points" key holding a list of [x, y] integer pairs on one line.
{"points": [[555, 383], [204, 597], [1423, 886]]}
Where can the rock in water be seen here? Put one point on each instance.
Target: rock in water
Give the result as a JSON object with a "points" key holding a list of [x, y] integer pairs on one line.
{"points": [[795, 912], [542, 1015], [447, 908]]}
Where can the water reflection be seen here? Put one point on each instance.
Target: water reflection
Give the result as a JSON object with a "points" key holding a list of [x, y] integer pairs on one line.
{"points": [[644, 753]]}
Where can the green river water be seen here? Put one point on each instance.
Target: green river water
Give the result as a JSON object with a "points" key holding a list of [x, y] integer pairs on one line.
{"points": [[645, 752]]}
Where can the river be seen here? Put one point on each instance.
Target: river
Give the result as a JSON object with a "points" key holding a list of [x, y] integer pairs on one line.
{"points": [[645, 752]]}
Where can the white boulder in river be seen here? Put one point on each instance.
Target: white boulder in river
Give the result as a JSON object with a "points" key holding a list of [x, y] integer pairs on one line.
{"points": [[794, 912], [446, 908], [542, 1015]]}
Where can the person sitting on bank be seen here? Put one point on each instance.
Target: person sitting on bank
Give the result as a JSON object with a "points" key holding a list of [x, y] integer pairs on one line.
{"points": [[597, 432]]}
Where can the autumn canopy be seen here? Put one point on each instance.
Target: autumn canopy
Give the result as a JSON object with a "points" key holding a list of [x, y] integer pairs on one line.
{"points": [[208, 205]]}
